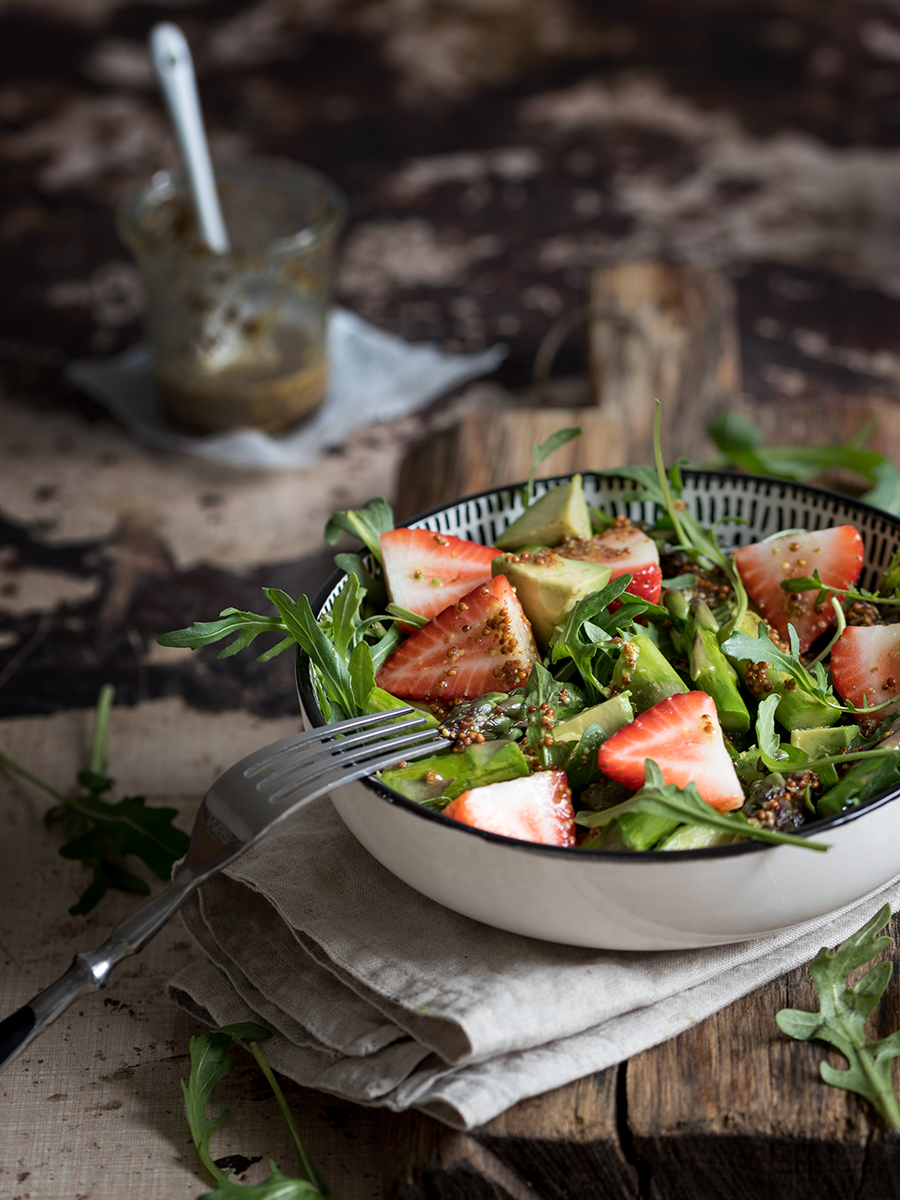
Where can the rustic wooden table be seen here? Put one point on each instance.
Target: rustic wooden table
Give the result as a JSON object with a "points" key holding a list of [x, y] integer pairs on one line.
{"points": [[494, 162]]}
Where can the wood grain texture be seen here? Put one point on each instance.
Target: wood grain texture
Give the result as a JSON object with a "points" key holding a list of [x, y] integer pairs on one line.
{"points": [[425, 1160], [493, 449], [734, 1110], [663, 331], [93, 1108], [566, 1143]]}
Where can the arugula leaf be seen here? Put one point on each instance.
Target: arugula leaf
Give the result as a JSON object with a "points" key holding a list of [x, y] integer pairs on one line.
{"points": [[586, 635], [548, 702], [334, 671], [840, 1021], [741, 646], [776, 755], [95, 826], [542, 451], [808, 583], [276, 1187], [738, 440], [209, 1066], [367, 523], [355, 564], [244, 625], [660, 799], [886, 492]]}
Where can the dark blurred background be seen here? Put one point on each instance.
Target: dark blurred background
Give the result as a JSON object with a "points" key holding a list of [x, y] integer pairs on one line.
{"points": [[494, 153]]}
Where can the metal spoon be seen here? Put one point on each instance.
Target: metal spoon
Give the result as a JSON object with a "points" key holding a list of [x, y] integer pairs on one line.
{"points": [[175, 71]]}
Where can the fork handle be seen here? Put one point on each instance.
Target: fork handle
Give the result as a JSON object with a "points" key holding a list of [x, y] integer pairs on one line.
{"points": [[90, 970]]}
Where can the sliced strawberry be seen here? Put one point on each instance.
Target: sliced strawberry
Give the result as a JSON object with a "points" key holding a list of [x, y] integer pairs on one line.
{"points": [[535, 809], [482, 643], [625, 549], [425, 571], [683, 737], [837, 554], [865, 667]]}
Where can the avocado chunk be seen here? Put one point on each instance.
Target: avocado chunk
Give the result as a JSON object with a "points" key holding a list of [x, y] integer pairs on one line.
{"points": [[549, 586], [612, 715], [823, 742], [561, 513]]}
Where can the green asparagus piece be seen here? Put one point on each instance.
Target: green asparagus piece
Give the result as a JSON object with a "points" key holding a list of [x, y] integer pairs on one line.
{"points": [[644, 671], [712, 672], [631, 831], [695, 837]]}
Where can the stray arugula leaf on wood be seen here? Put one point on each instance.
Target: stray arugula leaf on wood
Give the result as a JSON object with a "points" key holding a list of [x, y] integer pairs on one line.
{"points": [[841, 1019], [95, 826], [209, 1066], [738, 441]]}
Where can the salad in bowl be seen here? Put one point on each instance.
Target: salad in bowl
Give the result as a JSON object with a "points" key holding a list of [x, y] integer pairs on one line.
{"points": [[669, 701]]}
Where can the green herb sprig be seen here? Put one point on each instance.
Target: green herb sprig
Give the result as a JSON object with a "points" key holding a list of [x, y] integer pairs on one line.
{"points": [[685, 805], [842, 1015], [100, 832], [209, 1066], [808, 583], [541, 451]]}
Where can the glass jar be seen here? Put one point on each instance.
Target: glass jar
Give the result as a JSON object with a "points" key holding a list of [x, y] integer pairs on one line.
{"points": [[238, 339]]}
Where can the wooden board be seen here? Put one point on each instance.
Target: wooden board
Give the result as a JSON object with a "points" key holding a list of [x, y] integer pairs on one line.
{"points": [[667, 332]]}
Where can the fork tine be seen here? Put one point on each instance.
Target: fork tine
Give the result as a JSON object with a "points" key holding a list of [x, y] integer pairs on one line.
{"points": [[331, 732], [380, 735], [346, 769], [398, 748]]}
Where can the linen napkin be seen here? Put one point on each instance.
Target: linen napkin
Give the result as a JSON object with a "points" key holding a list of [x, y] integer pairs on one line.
{"points": [[373, 376], [378, 995]]}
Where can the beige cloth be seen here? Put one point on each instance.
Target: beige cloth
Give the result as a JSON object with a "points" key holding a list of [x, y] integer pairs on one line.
{"points": [[381, 996]]}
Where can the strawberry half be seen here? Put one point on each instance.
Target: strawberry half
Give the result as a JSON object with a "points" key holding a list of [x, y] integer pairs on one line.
{"points": [[837, 554], [535, 809], [625, 549], [482, 643], [425, 571], [865, 667], [683, 736]]}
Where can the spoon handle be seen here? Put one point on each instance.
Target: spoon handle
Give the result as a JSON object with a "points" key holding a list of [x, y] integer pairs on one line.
{"points": [[175, 70]]}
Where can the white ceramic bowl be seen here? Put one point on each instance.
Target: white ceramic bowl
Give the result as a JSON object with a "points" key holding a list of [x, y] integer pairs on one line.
{"points": [[636, 901]]}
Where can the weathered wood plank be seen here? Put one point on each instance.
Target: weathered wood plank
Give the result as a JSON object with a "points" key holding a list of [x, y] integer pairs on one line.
{"points": [[425, 1160], [733, 1109], [490, 450], [663, 331], [566, 1143]]}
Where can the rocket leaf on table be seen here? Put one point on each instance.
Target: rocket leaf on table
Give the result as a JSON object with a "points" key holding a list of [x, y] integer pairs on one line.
{"points": [[841, 1019], [738, 440], [96, 827], [209, 1066]]}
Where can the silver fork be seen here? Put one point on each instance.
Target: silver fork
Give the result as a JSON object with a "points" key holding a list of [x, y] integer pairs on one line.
{"points": [[238, 810]]}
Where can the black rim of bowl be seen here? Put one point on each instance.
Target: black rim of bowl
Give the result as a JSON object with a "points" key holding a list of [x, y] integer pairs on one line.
{"points": [[310, 705]]}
